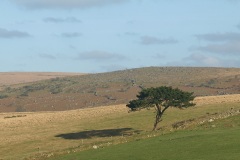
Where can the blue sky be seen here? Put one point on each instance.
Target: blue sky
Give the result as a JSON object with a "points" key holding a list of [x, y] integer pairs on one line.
{"points": [[105, 35]]}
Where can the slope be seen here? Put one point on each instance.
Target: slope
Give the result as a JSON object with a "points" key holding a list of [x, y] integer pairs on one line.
{"points": [[114, 88], [38, 135]]}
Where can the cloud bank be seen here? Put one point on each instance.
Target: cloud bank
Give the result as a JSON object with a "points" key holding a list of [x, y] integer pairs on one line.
{"points": [[61, 20], [149, 40], [225, 48], [218, 37], [4, 33], [221, 43], [198, 59], [99, 56], [203, 60], [65, 4], [71, 35]]}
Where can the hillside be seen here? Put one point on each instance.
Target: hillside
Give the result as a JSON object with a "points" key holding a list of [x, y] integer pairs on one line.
{"points": [[91, 90], [15, 78], [205, 144], [40, 135]]}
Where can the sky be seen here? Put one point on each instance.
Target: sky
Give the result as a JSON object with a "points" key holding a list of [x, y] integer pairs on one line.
{"points": [[93, 36]]}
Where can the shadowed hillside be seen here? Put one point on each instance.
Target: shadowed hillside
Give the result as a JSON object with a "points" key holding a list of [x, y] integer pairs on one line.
{"points": [[118, 87]]}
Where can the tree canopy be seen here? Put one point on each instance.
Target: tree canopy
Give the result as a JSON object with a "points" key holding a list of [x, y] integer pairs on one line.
{"points": [[161, 98]]}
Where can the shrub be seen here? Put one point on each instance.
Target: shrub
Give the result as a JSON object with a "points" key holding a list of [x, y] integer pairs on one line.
{"points": [[20, 109], [24, 94], [2, 96], [55, 89]]}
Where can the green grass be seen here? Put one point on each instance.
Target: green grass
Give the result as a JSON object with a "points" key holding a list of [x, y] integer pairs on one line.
{"points": [[217, 140], [65, 133]]}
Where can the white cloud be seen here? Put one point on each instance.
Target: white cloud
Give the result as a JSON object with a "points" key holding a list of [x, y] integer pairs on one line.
{"points": [[65, 4], [216, 37], [110, 68], [99, 56], [4, 33], [228, 48], [62, 20], [222, 43], [198, 59], [150, 40], [71, 34]]}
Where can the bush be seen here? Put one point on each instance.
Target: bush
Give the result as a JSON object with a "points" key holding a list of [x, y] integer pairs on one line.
{"points": [[20, 109], [2, 96], [24, 94], [55, 89]]}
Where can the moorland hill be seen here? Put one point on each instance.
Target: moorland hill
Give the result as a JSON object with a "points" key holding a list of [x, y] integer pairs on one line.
{"points": [[111, 88]]}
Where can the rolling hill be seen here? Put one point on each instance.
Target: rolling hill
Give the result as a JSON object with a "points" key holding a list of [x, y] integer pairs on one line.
{"points": [[112, 88], [14, 78]]}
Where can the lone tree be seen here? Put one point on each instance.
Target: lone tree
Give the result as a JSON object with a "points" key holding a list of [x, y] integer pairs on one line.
{"points": [[161, 98]]}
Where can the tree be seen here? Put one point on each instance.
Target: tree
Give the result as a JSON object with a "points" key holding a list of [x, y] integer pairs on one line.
{"points": [[161, 98]]}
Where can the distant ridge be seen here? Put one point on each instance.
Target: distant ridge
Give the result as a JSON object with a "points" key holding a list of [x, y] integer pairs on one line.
{"points": [[8, 78], [68, 92]]}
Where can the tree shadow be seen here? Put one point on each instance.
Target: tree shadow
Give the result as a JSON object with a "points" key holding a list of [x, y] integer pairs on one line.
{"points": [[99, 133]]}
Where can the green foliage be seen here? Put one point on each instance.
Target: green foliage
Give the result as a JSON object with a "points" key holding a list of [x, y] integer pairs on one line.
{"points": [[24, 94], [161, 98], [2, 96], [164, 96], [55, 89], [9, 89]]}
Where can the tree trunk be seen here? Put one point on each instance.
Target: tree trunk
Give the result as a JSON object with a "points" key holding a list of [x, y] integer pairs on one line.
{"points": [[158, 115], [157, 120]]}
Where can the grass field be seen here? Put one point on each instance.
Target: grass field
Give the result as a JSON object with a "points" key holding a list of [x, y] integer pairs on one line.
{"points": [[43, 135], [201, 143]]}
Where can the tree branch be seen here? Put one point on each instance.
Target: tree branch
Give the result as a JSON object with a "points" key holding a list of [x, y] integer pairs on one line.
{"points": [[165, 108]]}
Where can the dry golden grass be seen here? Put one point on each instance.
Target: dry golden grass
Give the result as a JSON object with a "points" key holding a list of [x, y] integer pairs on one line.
{"points": [[217, 99], [26, 134], [37, 131], [11, 78]]}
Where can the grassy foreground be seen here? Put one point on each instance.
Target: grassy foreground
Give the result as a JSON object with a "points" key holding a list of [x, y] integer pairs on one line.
{"points": [[217, 140], [45, 135]]}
